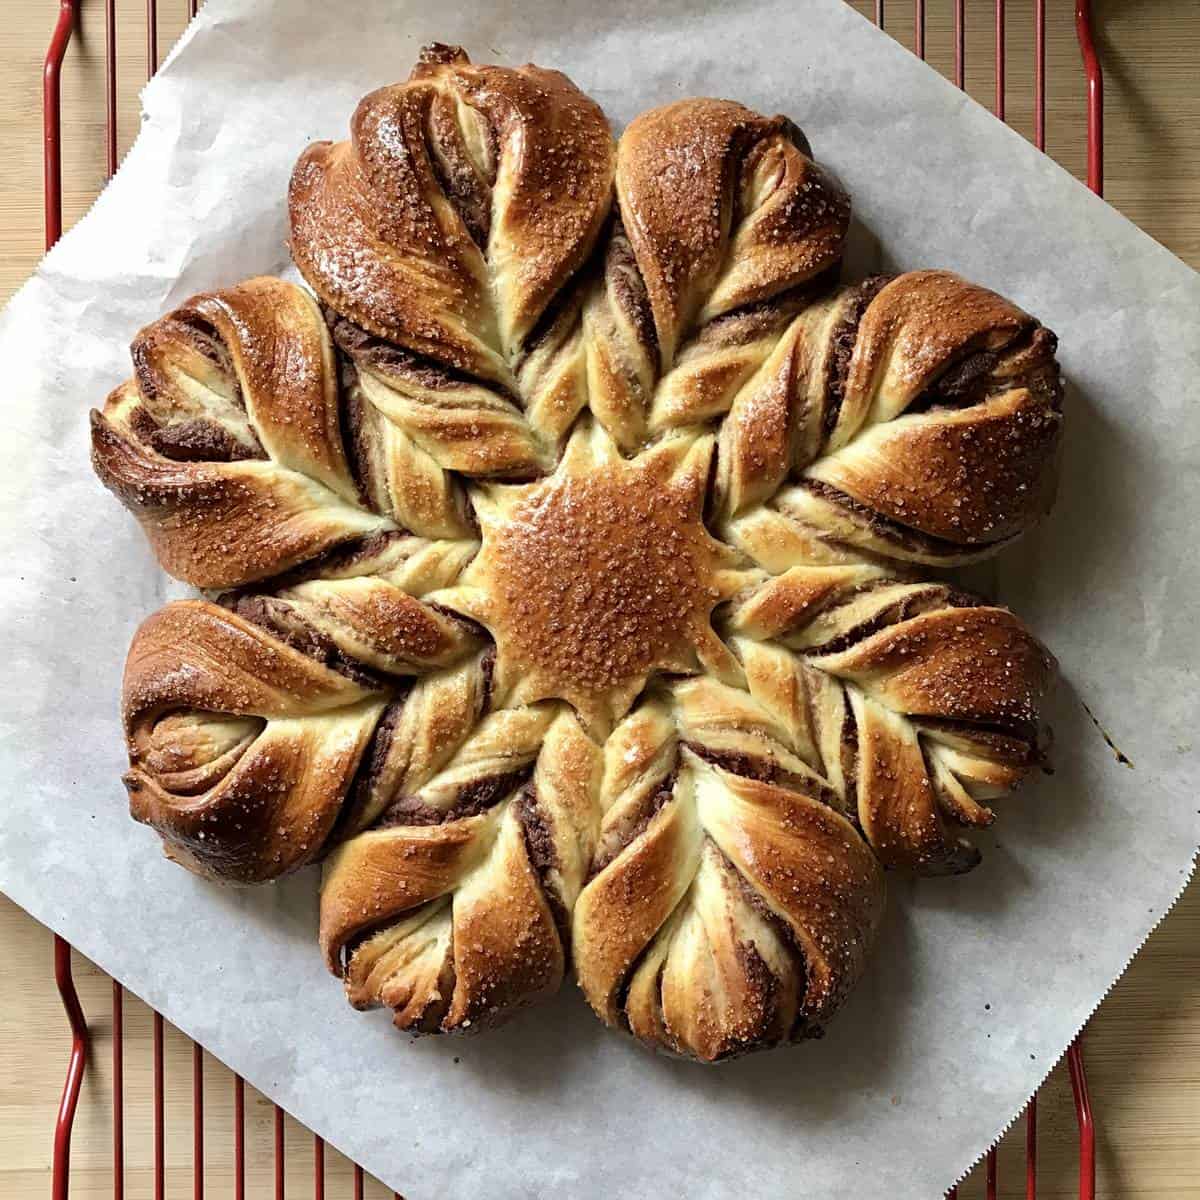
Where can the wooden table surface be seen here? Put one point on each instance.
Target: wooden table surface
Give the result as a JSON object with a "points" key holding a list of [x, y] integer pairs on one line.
{"points": [[1143, 1046]]}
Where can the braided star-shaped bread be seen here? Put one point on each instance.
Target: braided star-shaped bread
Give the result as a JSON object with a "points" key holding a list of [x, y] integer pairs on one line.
{"points": [[562, 560]]}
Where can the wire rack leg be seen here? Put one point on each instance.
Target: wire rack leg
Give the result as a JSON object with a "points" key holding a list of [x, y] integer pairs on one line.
{"points": [[61, 1170], [1087, 1126], [1031, 1149], [118, 1091], [239, 1138], [52, 118], [1095, 96]]}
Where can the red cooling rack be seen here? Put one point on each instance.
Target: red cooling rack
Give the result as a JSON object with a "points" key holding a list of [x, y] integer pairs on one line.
{"points": [[68, 12]]}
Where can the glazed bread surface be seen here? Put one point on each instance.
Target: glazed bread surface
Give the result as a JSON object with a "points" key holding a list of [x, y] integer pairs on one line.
{"points": [[568, 550]]}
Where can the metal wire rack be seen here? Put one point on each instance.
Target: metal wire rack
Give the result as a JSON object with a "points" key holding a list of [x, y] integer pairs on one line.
{"points": [[68, 14]]}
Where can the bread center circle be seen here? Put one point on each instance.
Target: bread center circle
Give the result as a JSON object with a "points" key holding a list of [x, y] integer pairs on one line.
{"points": [[603, 578]]}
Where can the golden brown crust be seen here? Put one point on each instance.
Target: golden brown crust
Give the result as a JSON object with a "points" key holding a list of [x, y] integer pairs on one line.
{"points": [[921, 418], [378, 239], [282, 359], [916, 703], [723, 208], [599, 576], [372, 238], [261, 797], [624, 906], [227, 444], [497, 947], [555, 161], [573, 616], [975, 664], [460, 423], [367, 620], [813, 870], [739, 917], [456, 922]]}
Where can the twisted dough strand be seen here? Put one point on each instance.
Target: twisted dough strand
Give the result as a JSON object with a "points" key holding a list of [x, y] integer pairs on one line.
{"points": [[724, 913], [919, 415], [720, 211], [240, 747], [473, 923], [465, 200], [916, 702], [227, 445]]}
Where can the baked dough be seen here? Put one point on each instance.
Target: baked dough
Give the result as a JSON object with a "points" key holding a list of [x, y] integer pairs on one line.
{"points": [[567, 559]]}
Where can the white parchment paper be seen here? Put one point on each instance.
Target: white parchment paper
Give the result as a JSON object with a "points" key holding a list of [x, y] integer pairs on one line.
{"points": [[918, 1074]]}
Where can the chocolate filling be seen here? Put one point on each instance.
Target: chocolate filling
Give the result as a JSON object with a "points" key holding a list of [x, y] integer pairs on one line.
{"points": [[365, 349], [628, 288], [198, 334], [207, 341], [487, 667], [766, 770], [405, 810], [467, 624], [1014, 742], [339, 559], [650, 807], [352, 422], [370, 767], [849, 749], [759, 975], [760, 979], [932, 599], [764, 318], [455, 172], [757, 972], [543, 856], [565, 300], [969, 378], [613, 260], [142, 423], [473, 798], [283, 621], [904, 536], [842, 340], [196, 440], [961, 385], [781, 927]]}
